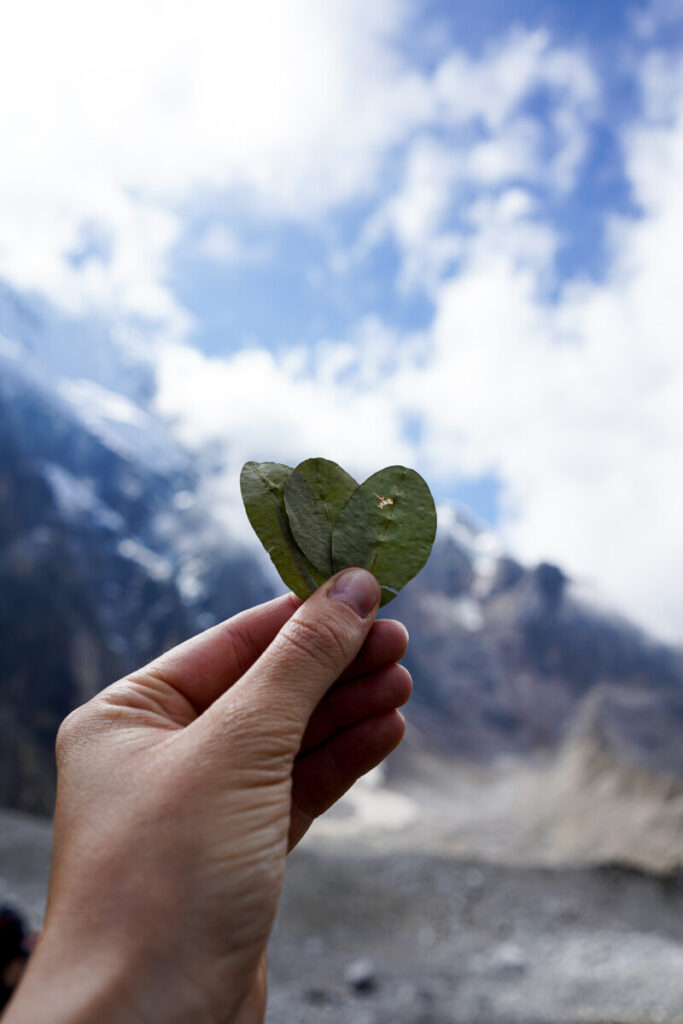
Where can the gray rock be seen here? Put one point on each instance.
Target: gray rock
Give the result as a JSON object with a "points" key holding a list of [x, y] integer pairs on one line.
{"points": [[509, 959], [474, 880], [361, 976]]}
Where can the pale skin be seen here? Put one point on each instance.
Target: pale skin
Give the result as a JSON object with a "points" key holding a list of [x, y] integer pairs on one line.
{"points": [[181, 790]]}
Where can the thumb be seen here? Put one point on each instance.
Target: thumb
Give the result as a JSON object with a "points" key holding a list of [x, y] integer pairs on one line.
{"points": [[281, 689]]}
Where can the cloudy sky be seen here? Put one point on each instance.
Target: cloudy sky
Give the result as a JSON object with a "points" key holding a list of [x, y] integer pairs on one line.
{"points": [[445, 234]]}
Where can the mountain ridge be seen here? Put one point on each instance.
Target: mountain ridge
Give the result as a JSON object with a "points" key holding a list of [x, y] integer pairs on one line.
{"points": [[108, 555]]}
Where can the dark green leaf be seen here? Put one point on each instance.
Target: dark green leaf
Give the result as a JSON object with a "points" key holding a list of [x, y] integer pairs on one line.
{"points": [[262, 485], [387, 526], [315, 493]]}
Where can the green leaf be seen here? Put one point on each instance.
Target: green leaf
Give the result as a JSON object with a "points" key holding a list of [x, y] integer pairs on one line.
{"points": [[262, 485], [387, 526], [315, 494]]}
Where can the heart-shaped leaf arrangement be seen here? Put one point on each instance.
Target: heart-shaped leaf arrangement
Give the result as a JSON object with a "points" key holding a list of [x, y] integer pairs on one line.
{"points": [[315, 520]]}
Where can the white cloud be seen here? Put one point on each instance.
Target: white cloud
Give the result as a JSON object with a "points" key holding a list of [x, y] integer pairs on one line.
{"points": [[256, 405], [577, 406], [275, 407], [507, 73], [658, 15], [117, 115], [488, 139], [220, 244]]}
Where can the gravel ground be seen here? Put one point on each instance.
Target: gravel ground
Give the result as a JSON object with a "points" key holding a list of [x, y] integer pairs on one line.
{"points": [[406, 938], [448, 942]]}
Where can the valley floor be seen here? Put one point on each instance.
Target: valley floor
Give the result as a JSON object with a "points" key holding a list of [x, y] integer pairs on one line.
{"points": [[452, 942], [446, 941]]}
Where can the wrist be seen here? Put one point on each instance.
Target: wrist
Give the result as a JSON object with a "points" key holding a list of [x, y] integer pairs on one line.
{"points": [[113, 982], [62, 986]]}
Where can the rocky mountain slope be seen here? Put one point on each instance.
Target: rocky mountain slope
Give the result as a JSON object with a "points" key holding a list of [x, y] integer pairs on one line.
{"points": [[585, 803], [506, 655], [105, 560]]}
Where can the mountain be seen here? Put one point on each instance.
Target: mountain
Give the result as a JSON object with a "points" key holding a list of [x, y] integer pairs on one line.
{"points": [[110, 553], [105, 558], [505, 655]]}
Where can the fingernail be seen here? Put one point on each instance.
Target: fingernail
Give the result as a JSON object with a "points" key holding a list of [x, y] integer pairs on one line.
{"points": [[358, 589]]}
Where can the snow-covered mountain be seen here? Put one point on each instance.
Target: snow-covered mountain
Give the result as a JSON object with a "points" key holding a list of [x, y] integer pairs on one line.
{"points": [[109, 553], [106, 557]]}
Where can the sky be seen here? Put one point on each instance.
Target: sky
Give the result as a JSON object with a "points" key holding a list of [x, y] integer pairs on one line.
{"points": [[445, 235]]}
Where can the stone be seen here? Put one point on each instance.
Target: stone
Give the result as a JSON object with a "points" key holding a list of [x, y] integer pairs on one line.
{"points": [[509, 959], [361, 976]]}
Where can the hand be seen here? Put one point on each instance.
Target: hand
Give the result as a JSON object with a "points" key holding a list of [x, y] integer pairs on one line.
{"points": [[182, 787]]}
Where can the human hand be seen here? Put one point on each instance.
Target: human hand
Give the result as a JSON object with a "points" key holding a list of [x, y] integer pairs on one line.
{"points": [[181, 789]]}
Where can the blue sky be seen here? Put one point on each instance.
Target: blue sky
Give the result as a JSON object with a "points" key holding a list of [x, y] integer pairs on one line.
{"points": [[440, 234], [303, 301], [283, 293]]}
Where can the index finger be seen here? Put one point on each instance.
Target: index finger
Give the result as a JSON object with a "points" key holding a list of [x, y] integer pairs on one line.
{"points": [[206, 665]]}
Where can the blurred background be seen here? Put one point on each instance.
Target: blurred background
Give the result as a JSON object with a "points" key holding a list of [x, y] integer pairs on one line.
{"points": [[440, 234]]}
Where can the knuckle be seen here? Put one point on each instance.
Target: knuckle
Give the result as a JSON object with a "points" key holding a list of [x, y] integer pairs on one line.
{"points": [[327, 642], [78, 727], [258, 734], [69, 733]]}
